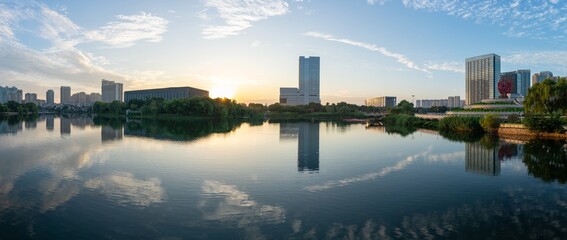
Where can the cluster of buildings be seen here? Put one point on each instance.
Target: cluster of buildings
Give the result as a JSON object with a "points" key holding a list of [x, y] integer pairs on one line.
{"points": [[482, 74], [111, 91], [309, 84], [450, 102]]}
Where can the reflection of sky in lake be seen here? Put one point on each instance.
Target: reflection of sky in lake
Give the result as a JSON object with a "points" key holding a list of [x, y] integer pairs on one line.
{"points": [[242, 181]]}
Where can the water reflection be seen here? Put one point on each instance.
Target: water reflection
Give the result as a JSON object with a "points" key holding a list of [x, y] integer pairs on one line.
{"points": [[65, 126], [481, 159], [125, 189], [546, 160], [49, 122], [109, 133], [307, 136], [178, 130], [228, 205]]}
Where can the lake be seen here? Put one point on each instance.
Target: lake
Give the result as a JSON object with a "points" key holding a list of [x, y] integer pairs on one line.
{"points": [[85, 178]]}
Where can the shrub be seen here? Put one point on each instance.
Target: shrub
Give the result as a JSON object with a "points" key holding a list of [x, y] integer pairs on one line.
{"points": [[490, 122], [544, 123], [460, 124]]}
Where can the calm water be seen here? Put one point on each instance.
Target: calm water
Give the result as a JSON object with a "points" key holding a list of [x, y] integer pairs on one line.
{"points": [[83, 178]]}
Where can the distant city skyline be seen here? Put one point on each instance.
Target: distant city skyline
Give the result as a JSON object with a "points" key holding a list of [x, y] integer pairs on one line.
{"points": [[247, 50]]}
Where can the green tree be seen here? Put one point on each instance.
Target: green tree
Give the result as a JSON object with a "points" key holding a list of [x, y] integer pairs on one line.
{"points": [[404, 107], [547, 97], [490, 122]]}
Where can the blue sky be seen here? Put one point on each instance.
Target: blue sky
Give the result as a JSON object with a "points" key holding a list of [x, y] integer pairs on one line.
{"points": [[247, 49]]}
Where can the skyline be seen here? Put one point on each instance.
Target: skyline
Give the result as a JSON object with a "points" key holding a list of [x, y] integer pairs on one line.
{"points": [[249, 49]]}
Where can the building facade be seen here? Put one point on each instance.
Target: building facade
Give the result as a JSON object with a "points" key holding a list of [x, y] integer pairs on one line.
{"points": [[381, 102], [165, 93], [65, 95], [111, 91], [539, 77], [31, 98], [454, 102], [50, 97], [427, 103], [309, 84], [482, 74], [289, 96], [10, 94], [520, 81]]}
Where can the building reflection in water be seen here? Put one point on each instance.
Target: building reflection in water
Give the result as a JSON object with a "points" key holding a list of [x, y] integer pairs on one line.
{"points": [[65, 126], [485, 160], [109, 133], [49, 122], [481, 159], [307, 135]]}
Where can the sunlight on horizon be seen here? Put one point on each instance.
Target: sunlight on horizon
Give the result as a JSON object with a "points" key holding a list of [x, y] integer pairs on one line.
{"points": [[222, 92]]}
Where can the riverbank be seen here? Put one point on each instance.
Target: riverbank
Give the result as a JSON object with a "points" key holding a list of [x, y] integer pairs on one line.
{"points": [[522, 133]]}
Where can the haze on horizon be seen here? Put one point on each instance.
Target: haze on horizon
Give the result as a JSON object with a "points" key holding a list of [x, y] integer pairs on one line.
{"points": [[249, 49]]}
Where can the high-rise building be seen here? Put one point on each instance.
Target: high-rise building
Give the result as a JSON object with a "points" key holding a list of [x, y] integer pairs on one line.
{"points": [[454, 102], [95, 97], [520, 81], [65, 95], [10, 94], [31, 98], [381, 102], [309, 84], [523, 81], [481, 77], [427, 103], [50, 96], [309, 80], [111, 91]]}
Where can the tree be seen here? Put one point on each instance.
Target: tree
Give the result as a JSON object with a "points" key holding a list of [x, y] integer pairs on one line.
{"points": [[547, 97], [504, 87], [404, 107]]}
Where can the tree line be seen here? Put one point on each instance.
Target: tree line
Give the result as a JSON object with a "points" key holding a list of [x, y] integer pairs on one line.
{"points": [[15, 107], [196, 106]]}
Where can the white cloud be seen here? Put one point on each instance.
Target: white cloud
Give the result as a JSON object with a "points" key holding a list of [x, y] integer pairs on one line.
{"points": [[539, 19], [399, 57], [238, 15], [457, 67], [381, 2], [546, 60], [130, 29]]}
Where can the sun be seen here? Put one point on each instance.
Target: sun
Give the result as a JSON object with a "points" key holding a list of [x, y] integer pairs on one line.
{"points": [[222, 92]]}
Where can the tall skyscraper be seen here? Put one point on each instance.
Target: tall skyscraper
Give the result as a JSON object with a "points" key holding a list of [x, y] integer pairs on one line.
{"points": [[309, 84], [31, 97], [111, 91], [50, 96], [65, 95], [481, 77], [309, 80]]}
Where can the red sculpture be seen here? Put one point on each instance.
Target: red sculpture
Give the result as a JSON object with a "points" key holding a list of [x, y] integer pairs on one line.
{"points": [[504, 87]]}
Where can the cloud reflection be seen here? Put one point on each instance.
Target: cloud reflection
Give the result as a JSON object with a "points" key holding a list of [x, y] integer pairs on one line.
{"points": [[125, 189], [226, 204], [369, 176]]}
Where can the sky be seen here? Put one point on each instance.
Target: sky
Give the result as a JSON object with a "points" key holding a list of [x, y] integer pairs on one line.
{"points": [[248, 49]]}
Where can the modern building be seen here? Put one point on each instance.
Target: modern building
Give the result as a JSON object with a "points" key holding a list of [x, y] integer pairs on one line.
{"points": [[482, 74], [165, 93], [50, 97], [381, 102], [65, 95], [31, 98], [454, 102], [309, 84], [427, 103], [111, 91], [94, 97], [10, 94], [520, 81], [79, 99], [539, 77], [289, 96]]}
